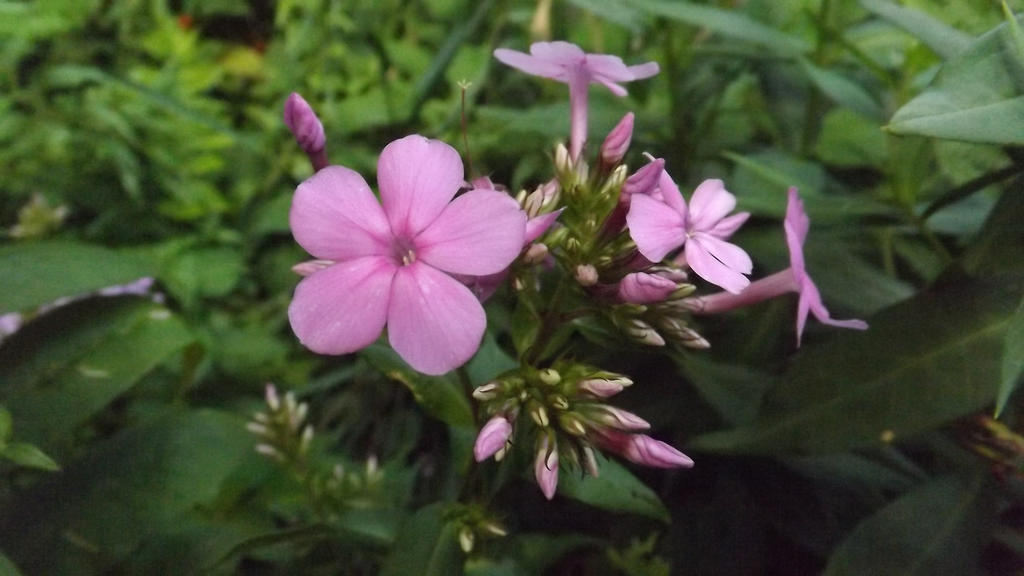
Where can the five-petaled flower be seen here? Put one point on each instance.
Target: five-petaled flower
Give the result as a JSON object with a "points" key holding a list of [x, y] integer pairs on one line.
{"points": [[566, 62], [391, 262], [660, 226]]}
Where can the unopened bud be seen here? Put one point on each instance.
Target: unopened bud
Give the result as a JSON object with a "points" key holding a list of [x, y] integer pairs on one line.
{"points": [[486, 392], [572, 245], [257, 428], [563, 164], [549, 376], [613, 183], [644, 180], [273, 400], [270, 451], [306, 439], [586, 275], [559, 402], [572, 424], [533, 203], [603, 387], [306, 128], [615, 145], [540, 416], [644, 333], [466, 539], [535, 254], [493, 528], [616, 418], [682, 291], [590, 461]]}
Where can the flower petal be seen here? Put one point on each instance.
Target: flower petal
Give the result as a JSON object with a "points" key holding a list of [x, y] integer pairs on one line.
{"points": [[530, 64], [708, 267], [643, 288], [728, 226], [709, 204], [480, 232], [536, 227], [342, 308], [671, 195], [417, 178], [656, 228], [727, 253], [335, 216], [434, 323], [796, 217], [560, 52]]}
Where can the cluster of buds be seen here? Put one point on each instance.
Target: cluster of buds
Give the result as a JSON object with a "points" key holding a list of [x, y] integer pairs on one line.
{"points": [[472, 524], [565, 412], [282, 435]]}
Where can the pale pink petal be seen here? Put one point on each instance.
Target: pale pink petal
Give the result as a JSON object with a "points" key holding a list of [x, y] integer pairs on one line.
{"points": [[796, 217], [536, 227], [810, 300], [492, 438], [342, 308], [480, 232], [530, 64], [612, 86], [796, 249], [645, 70], [711, 269], [644, 180], [643, 288], [417, 178], [709, 204], [656, 228], [729, 254], [335, 216], [671, 195], [559, 51], [728, 226], [434, 323], [610, 67]]}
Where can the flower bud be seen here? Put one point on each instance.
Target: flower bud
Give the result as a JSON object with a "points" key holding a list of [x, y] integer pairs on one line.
{"points": [[533, 203], [466, 539], [487, 391], [643, 288], [558, 402], [549, 376], [563, 164], [306, 128], [539, 414], [586, 275], [545, 467], [536, 227], [644, 333], [643, 181], [603, 387], [535, 254], [273, 400], [572, 424], [306, 439], [590, 461], [616, 418], [493, 528], [615, 145], [493, 437]]}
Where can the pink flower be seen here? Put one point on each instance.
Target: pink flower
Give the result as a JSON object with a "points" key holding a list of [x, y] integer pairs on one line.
{"points": [[616, 143], [303, 123], [545, 467], [642, 449], [567, 63], [659, 227], [792, 279], [644, 288], [492, 438], [392, 262]]}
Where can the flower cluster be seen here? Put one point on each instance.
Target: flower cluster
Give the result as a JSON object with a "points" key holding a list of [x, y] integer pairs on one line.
{"points": [[596, 245]]}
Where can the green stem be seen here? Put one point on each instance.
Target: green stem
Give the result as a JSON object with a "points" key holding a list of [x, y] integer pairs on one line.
{"points": [[968, 188], [552, 319]]}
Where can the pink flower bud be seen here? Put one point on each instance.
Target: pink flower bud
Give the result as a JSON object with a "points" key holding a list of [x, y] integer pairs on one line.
{"points": [[536, 227], [643, 181], [615, 145], [545, 467], [617, 418], [492, 438], [307, 129], [586, 275], [643, 288], [603, 387], [643, 450]]}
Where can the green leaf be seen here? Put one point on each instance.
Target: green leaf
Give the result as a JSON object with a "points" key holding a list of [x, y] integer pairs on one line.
{"points": [[440, 397], [67, 365], [40, 272], [1013, 359], [977, 96], [131, 489], [615, 489], [848, 139], [922, 363], [727, 23], [945, 40], [28, 456], [998, 250], [426, 545], [7, 568], [934, 530], [734, 390], [6, 425], [489, 362], [842, 90]]}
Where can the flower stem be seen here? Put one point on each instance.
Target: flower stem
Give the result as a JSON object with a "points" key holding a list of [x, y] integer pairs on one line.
{"points": [[769, 287]]}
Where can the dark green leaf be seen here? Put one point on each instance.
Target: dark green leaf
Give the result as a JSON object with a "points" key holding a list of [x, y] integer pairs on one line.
{"points": [[440, 397], [922, 363], [1013, 358], [936, 529], [6, 425], [426, 545], [28, 456], [66, 366], [40, 272], [7, 568], [489, 362], [945, 40], [615, 489], [848, 139], [727, 23], [842, 90], [735, 391], [977, 96]]}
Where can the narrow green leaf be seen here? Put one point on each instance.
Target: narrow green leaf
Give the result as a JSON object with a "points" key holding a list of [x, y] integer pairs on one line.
{"points": [[842, 90], [922, 363], [440, 397], [426, 545], [615, 489], [28, 456], [945, 40], [936, 529], [40, 272], [1013, 359], [6, 425], [68, 365], [727, 23], [976, 96], [1015, 31]]}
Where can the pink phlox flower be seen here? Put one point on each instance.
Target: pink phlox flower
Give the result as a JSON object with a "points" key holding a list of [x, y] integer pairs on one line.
{"points": [[659, 227], [796, 225], [392, 262], [568, 63]]}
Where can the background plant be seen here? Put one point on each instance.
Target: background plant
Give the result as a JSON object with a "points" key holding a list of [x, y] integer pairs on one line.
{"points": [[145, 139]]}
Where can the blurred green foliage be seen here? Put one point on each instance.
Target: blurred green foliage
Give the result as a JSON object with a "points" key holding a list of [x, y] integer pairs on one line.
{"points": [[145, 138]]}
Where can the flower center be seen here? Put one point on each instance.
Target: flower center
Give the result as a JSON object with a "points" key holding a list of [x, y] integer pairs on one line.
{"points": [[403, 252]]}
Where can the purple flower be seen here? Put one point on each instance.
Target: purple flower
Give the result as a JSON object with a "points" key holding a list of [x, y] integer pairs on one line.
{"points": [[792, 279], [492, 438], [567, 63], [659, 227], [307, 129], [393, 261]]}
